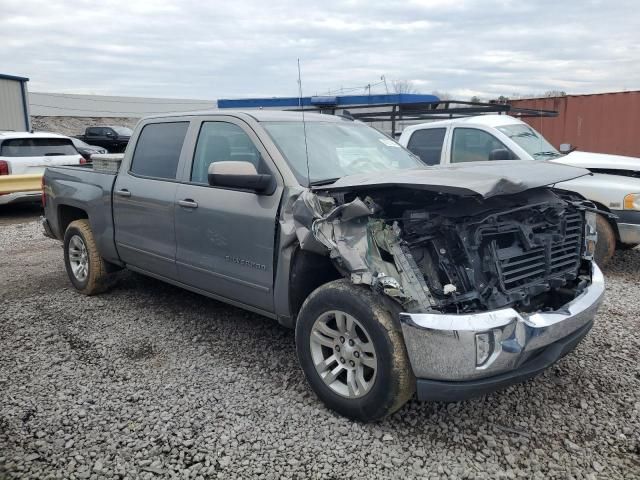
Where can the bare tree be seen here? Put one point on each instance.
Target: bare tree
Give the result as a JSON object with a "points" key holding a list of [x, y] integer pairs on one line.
{"points": [[442, 95], [475, 99], [403, 86], [555, 93]]}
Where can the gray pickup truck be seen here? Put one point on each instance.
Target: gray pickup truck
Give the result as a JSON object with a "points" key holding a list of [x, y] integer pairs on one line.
{"points": [[398, 278]]}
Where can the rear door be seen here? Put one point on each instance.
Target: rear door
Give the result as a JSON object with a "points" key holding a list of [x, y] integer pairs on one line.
{"points": [[226, 237], [144, 199], [31, 155]]}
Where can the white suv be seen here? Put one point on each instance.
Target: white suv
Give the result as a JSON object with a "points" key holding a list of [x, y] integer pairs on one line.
{"points": [[30, 153]]}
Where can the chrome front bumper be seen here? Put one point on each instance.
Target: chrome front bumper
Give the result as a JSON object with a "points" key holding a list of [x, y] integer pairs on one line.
{"points": [[629, 233], [442, 347], [628, 222]]}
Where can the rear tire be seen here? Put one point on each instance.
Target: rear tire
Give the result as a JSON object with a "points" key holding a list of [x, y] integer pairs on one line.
{"points": [[367, 374], [85, 267], [606, 246]]}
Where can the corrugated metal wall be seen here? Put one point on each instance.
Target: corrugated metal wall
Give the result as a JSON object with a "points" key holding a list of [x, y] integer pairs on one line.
{"points": [[12, 115], [602, 123], [77, 105]]}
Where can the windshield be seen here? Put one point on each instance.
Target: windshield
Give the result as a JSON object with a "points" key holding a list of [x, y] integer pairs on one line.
{"points": [[122, 130], [37, 147], [531, 141], [337, 149]]}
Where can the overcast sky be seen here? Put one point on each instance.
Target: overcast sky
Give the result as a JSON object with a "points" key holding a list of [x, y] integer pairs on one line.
{"points": [[214, 49]]}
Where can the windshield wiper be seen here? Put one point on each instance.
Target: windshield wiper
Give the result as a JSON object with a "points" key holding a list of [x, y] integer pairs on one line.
{"points": [[327, 181], [524, 134]]}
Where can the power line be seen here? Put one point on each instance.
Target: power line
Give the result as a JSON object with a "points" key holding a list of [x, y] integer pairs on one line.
{"points": [[352, 89]]}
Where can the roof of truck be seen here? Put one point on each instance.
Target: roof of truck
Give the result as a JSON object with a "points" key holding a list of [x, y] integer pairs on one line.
{"points": [[261, 115], [486, 120]]}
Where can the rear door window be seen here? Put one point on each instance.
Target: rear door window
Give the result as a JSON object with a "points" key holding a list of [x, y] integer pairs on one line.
{"points": [[94, 131], [37, 147], [158, 150], [427, 144]]}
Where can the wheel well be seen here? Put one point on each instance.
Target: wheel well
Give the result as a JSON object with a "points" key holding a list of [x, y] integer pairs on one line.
{"points": [[611, 221], [68, 214], [308, 272]]}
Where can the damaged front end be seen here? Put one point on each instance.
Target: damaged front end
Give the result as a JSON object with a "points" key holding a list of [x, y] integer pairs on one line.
{"points": [[485, 284], [441, 252]]}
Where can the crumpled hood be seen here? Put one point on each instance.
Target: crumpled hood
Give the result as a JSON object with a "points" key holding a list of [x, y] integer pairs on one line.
{"points": [[486, 179], [599, 160]]}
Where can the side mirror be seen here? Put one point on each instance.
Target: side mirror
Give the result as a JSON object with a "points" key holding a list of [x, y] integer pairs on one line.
{"points": [[110, 134], [566, 148], [233, 174], [500, 154]]}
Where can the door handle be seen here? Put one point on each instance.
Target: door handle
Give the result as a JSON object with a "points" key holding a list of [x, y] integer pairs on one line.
{"points": [[188, 203], [123, 193]]}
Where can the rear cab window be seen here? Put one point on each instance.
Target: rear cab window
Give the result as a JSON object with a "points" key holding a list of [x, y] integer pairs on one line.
{"points": [[427, 144], [37, 147], [158, 150]]}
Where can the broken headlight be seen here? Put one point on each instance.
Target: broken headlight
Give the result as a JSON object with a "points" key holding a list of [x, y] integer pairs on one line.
{"points": [[590, 235]]}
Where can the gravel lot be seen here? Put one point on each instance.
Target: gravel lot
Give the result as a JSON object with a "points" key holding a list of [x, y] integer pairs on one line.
{"points": [[149, 381]]}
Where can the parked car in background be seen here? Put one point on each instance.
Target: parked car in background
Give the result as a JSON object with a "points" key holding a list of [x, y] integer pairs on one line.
{"points": [[26, 153], [614, 185], [397, 278], [87, 150], [113, 138]]}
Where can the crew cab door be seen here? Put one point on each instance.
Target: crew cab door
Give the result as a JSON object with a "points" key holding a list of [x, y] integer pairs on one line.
{"points": [[144, 199], [226, 237]]}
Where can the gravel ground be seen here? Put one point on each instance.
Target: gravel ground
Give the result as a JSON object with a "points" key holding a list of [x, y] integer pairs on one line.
{"points": [[149, 381], [19, 213]]}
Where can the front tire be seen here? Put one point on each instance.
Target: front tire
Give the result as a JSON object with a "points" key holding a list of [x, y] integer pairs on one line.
{"points": [[606, 246], [85, 267], [352, 352]]}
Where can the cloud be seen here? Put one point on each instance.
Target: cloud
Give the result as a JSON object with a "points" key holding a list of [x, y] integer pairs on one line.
{"points": [[189, 49]]}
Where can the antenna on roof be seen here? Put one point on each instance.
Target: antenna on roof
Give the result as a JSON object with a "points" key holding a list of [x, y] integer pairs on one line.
{"points": [[304, 125]]}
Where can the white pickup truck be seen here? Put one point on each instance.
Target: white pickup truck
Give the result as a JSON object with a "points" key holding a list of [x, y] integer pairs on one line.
{"points": [[614, 186]]}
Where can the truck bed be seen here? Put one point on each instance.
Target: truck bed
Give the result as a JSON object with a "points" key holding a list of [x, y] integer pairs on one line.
{"points": [[72, 188]]}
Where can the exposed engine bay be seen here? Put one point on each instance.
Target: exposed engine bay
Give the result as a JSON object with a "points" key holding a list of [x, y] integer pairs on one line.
{"points": [[433, 251]]}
